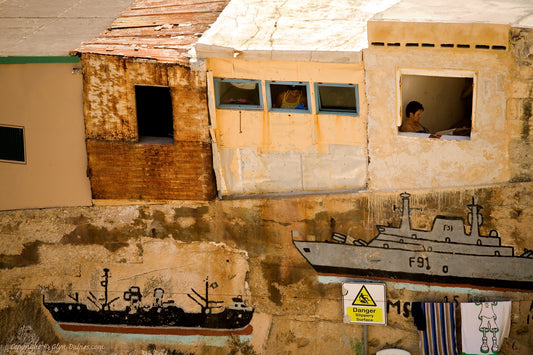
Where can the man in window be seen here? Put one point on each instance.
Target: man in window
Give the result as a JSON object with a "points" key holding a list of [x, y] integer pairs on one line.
{"points": [[413, 111], [293, 98]]}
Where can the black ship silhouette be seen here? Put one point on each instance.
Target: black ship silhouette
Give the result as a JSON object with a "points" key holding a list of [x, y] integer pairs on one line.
{"points": [[162, 317], [444, 255]]}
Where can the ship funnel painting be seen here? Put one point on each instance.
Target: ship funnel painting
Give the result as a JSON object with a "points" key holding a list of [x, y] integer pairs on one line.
{"points": [[445, 255]]}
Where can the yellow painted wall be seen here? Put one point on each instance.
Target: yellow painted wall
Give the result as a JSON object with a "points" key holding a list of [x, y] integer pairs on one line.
{"points": [[262, 151], [45, 99]]}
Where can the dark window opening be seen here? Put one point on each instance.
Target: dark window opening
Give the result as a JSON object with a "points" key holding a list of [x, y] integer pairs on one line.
{"points": [[238, 94], [447, 105], [337, 99], [288, 97], [12, 144], [154, 113]]}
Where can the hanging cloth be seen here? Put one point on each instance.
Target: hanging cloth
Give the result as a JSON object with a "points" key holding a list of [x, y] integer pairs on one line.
{"points": [[484, 325], [436, 325]]}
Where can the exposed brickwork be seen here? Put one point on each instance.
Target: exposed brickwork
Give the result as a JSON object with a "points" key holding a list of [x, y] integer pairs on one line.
{"points": [[180, 171]]}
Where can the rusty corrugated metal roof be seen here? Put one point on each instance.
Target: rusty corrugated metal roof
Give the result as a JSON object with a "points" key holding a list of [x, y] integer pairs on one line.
{"points": [[164, 30]]}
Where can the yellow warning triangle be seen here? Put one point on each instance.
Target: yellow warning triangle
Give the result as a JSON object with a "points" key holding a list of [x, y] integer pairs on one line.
{"points": [[363, 298]]}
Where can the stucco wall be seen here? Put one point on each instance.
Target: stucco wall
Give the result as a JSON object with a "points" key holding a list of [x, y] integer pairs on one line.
{"points": [[46, 100], [260, 151], [245, 246], [412, 162]]}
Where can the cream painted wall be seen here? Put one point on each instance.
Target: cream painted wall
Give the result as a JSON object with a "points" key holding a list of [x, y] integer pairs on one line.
{"points": [[45, 99], [399, 162], [275, 152]]}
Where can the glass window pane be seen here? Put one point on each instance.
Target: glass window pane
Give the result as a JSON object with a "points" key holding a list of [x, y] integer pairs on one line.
{"points": [[333, 98], [238, 94], [289, 96]]}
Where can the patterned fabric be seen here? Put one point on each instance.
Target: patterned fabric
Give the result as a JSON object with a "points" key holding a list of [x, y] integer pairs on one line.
{"points": [[484, 325], [436, 325]]}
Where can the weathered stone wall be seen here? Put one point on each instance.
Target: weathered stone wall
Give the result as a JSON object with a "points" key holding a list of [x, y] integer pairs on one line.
{"points": [[245, 246], [520, 106]]}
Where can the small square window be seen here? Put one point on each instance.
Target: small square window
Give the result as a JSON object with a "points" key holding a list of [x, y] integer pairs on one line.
{"points": [[338, 99], [437, 105], [288, 97], [154, 113], [238, 94], [12, 144]]}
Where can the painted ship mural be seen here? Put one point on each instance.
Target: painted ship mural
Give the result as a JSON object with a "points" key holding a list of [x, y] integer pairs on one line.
{"points": [[444, 255], [162, 317]]}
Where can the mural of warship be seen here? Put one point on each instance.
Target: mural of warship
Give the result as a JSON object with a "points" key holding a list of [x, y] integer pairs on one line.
{"points": [[162, 317], [445, 255]]}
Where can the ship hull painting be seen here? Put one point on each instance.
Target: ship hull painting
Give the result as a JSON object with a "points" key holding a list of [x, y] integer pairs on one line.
{"points": [[445, 255], [171, 320], [161, 317]]}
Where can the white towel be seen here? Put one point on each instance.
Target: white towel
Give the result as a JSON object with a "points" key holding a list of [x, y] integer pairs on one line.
{"points": [[484, 325]]}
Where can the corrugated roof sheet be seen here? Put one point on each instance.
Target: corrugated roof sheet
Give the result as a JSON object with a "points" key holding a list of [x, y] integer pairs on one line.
{"points": [[163, 30]]}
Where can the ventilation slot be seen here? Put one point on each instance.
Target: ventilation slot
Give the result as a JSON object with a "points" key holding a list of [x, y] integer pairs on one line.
{"points": [[442, 45], [499, 48]]}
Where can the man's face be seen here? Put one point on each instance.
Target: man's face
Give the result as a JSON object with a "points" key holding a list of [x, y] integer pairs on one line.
{"points": [[417, 115]]}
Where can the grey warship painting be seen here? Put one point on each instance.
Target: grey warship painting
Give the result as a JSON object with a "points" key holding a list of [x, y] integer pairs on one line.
{"points": [[444, 255]]}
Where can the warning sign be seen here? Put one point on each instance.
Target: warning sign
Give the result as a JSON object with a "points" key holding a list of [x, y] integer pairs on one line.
{"points": [[363, 298], [364, 303]]}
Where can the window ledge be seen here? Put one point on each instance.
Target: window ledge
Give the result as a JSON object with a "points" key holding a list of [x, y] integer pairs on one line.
{"points": [[435, 136], [155, 140]]}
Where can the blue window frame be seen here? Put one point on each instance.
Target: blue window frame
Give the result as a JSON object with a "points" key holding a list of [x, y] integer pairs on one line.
{"points": [[287, 96], [12, 144], [337, 99], [239, 94]]}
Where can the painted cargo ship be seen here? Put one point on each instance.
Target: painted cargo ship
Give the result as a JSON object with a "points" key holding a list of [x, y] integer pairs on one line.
{"points": [[446, 254], [162, 317]]}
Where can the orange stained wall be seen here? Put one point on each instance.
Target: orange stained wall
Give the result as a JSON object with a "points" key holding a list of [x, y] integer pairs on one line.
{"points": [[261, 151]]}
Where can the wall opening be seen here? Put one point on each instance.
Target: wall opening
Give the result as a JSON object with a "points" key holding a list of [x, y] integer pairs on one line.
{"points": [[12, 144], [340, 99], [238, 94], [288, 96], [154, 114], [448, 103]]}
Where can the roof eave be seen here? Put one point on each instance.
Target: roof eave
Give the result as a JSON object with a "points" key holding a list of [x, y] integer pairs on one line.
{"points": [[204, 50]]}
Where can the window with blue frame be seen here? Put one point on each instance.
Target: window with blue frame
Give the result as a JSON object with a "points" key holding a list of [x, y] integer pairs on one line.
{"points": [[238, 94], [288, 96], [337, 99], [12, 144]]}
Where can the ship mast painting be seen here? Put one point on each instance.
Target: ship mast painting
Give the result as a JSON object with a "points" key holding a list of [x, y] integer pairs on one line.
{"points": [[443, 255], [160, 318]]}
